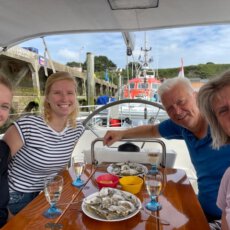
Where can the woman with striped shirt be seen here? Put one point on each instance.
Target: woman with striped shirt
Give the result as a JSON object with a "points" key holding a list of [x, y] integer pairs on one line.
{"points": [[42, 145]]}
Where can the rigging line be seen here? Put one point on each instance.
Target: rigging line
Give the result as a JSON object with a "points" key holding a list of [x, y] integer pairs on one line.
{"points": [[48, 53]]}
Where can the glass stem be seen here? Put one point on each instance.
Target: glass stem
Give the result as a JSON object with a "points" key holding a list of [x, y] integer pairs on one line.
{"points": [[154, 168], [153, 199], [52, 207]]}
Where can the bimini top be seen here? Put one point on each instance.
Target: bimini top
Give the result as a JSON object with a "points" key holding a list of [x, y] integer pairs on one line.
{"points": [[21, 20]]}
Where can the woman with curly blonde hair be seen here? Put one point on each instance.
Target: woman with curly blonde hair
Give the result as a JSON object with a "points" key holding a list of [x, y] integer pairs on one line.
{"points": [[43, 145]]}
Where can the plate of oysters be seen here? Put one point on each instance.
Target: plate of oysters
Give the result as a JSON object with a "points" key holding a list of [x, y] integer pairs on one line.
{"points": [[111, 205], [127, 169]]}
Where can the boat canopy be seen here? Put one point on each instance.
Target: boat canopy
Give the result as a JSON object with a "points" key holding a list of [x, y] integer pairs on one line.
{"points": [[26, 19]]}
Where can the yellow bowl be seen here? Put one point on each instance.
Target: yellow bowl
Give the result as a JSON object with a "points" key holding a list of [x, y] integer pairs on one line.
{"points": [[131, 184]]}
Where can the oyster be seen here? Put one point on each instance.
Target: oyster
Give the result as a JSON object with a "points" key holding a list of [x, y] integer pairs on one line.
{"points": [[117, 197], [100, 212], [116, 170], [127, 169], [94, 201], [106, 202], [127, 205], [129, 172], [105, 192]]}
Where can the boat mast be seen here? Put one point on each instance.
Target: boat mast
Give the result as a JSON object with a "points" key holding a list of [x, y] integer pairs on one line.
{"points": [[46, 52], [146, 50], [129, 41]]}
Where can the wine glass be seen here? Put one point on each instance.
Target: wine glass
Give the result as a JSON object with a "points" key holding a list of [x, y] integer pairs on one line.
{"points": [[53, 188], [153, 158], [78, 168], [154, 182]]}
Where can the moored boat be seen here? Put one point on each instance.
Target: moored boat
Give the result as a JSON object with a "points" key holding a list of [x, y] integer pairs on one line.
{"points": [[145, 84]]}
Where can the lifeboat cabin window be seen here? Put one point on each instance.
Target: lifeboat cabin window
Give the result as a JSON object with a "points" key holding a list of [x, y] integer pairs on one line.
{"points": [[143, 85], [150, 73], [131, 85]]}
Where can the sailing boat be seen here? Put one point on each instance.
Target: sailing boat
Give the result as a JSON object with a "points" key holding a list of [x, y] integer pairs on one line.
{"points": [[145, 84]]}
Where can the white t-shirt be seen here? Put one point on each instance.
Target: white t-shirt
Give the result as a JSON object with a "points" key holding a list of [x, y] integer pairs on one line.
{"points": [[223, 199], [45, 152]]}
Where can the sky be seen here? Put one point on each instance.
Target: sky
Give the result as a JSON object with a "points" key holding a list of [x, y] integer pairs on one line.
{"points": [[195, 45]]}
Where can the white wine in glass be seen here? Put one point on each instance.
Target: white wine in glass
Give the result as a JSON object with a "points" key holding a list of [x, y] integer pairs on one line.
{"points": [[154, 185], [78, 169], [52, 189], [153, 159]]}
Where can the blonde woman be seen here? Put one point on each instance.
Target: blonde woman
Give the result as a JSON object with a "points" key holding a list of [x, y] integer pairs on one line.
{"points": [[214, 102], [42, 145]]}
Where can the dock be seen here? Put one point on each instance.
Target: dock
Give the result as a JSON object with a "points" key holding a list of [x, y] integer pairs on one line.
{"points": [[28, 71]]}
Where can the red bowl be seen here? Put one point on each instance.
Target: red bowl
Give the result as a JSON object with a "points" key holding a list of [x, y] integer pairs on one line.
{"points": [[107, 180]]}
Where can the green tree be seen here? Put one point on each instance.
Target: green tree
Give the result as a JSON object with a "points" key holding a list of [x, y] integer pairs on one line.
{"points": [[203, 71], [74, 64], [101, 63]]}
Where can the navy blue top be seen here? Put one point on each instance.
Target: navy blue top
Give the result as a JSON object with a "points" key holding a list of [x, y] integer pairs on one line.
{"points": [[4, 188], [210, 164]]}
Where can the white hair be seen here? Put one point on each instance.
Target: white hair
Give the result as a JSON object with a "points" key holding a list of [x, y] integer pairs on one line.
{"points": [[172, 82]]}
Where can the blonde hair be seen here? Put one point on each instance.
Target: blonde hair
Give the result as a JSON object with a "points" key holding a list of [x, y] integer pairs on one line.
{"points": [[47, 109], [206, 95]]}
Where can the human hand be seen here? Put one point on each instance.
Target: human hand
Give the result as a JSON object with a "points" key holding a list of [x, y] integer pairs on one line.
{"points": [[111, 137]]}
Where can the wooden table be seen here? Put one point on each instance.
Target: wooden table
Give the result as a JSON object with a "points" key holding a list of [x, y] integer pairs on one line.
{"points": [[181, 208]]}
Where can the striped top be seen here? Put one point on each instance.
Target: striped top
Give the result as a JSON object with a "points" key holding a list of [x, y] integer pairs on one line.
{"points": [[44, 152]]}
